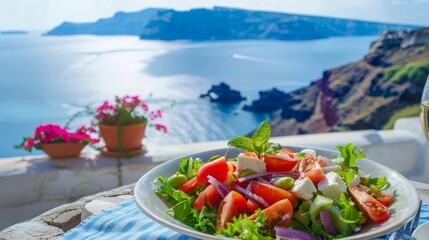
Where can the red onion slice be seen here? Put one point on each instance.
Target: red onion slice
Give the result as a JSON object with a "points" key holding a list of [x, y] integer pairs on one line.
{"points": [[326, 219], [280, 174], [220, 187], [292, 233], [263, 181], [253, 196]]}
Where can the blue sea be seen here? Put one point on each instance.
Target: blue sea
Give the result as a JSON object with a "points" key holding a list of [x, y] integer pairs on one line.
{"points": [[46, 79]]}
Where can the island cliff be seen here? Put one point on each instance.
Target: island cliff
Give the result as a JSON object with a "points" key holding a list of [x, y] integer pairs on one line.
{"points": [[223, 24], [360, 95]]}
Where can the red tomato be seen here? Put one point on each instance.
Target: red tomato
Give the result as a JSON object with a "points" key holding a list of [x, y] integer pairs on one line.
{"points": [[218, 169], [309, 167], [211, 194], [284, 161], [276, 213], [189, 185], [386, 199], [231, 206], [252, 206], [372, 208], [270, 193], [241, 184]]}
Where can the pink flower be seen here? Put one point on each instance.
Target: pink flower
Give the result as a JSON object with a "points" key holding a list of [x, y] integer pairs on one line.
{"points": [[161, 127], [145, 107], [28, 144]]}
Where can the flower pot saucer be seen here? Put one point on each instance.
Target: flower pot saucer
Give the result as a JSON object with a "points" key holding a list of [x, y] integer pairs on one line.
{"points": [[128, 153]]}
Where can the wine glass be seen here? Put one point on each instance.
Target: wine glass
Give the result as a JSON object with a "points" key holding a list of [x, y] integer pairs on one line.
{"points": [[424, 114]]}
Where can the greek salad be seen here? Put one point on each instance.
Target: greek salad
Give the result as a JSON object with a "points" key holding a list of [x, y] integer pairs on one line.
{"points": [[272, 192]]}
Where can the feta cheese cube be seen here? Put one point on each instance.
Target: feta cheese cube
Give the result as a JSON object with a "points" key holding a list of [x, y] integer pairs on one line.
{"points": [[326, 162], [303, 189], [245, 163], [355, 181], [310, 152], [332, 186]]}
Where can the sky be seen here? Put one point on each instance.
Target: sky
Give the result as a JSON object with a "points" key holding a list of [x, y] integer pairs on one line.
{"points": [[46, 14]]}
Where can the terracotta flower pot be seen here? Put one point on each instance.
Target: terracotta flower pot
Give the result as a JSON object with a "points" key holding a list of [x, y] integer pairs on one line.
{"points": [[132, 136], [62, 150]]}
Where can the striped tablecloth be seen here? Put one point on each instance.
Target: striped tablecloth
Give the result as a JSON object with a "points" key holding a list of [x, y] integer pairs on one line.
{"points": [[126, 221]]}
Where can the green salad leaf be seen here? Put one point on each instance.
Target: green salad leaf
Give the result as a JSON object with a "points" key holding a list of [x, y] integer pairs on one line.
{"points": [[349, 213], [350, 156], [379, 183], [183, 209], [189, 167], [243, 228], [347, 175]]}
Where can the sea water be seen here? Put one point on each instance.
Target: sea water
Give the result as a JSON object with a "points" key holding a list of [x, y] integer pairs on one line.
{"points": [[46, 79]]}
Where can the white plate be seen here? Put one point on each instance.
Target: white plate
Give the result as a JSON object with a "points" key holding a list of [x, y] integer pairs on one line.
{"points": [[402, 210], [421, 232]]}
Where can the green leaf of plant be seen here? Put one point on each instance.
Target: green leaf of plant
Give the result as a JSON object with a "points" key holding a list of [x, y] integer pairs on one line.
{"points": [[243, 228], [243, 143], [189, 167], [379, 183], [349, 213], [347, 175], [350, 156], [262, 134]]}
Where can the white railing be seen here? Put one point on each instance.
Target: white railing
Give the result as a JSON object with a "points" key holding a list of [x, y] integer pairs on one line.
{"points": [[33, 185]]}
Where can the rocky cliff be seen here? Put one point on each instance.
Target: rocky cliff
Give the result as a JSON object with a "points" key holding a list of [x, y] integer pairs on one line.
{"points": [[360, 95], [228, 23]]}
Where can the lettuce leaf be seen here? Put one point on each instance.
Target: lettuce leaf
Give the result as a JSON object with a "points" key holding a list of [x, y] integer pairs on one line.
{"points": [[350, 156], [183, 209], [189, 167], [347, 175], [349, 213], [379, 183], [243, 228]]}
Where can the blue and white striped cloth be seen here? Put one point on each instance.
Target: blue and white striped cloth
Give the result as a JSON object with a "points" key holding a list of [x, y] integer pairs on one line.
{"points": [[126, 221]]}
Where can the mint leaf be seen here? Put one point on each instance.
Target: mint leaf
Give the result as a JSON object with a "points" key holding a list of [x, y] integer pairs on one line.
{"points": [[261, 136], [379, 183], [347, 175], [350, 157], [243, 143]]}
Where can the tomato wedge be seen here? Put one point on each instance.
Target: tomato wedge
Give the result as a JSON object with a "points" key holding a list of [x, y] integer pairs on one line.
{"points": [[252, 206], [281, 211], [211, 194], [189, 185], [283, 161], [372, 208], [270, 193], [309, 167], [218, 169], [231, 206], [386, 199]]}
